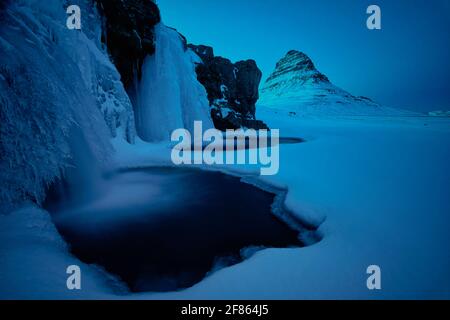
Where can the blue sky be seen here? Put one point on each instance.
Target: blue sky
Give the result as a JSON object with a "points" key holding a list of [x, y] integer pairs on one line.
{"points": [[406, 64]]}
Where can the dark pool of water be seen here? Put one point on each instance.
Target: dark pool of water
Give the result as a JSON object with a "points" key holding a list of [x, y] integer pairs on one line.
{"points": [[173, 227]]}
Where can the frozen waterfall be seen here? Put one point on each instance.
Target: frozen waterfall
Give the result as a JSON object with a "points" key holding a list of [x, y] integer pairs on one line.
{"points": [[169, 96]]}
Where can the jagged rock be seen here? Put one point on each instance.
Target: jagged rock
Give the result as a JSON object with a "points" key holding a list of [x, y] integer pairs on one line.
{"points": [[225, 118], [295, 65], [204, 52], [248, 77], [129, 33], [232, 89]]}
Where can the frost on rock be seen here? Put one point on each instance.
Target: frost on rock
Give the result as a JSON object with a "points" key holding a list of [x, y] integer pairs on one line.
{"points": [[102, 77], [53, 84]]}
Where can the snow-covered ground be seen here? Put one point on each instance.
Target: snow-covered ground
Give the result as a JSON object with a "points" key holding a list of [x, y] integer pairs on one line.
{"points": [[382, 186], [379, 186]]}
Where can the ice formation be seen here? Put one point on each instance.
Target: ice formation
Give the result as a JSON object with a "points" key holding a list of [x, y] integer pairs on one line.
{"points": [[168, 96]]}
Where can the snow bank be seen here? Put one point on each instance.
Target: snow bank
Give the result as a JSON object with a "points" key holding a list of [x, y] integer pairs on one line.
{"points": [[34, 259]]}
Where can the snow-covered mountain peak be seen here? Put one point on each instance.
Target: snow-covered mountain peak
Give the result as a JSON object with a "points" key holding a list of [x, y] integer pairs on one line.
{"points": [[297, 86], [295, 66]]}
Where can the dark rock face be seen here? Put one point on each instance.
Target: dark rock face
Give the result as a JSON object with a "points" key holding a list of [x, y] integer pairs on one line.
{"points": [[296, 62], [232, 89], [129, 33], [247, 83], [3, 5]]}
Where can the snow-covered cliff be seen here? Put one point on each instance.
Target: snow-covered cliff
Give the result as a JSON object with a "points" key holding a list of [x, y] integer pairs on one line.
{"points": [[65, 93], [55, 85]]}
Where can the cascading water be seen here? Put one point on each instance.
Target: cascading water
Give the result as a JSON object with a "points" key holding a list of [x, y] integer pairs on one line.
{"points": [[169, 95]]}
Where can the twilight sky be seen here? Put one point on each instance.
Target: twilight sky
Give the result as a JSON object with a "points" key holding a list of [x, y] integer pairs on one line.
{"points": [[406, 64]]}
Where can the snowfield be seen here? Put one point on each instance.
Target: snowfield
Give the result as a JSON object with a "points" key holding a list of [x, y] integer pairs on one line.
{"points": [[377, 186]]}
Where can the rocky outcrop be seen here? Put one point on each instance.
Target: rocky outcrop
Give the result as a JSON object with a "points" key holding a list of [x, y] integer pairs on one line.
{"points": [[129, 33], [296, 85], [232, 89], [296, 66]]}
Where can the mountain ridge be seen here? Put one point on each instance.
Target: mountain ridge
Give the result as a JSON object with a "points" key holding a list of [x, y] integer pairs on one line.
{"points": [[296, 85]]}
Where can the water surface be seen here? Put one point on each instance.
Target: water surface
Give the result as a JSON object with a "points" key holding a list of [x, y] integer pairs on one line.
{"points": [[164, 229]]}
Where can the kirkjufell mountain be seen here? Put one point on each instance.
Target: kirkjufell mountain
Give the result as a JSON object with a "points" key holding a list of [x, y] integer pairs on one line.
{"points": [[297, 86]]}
